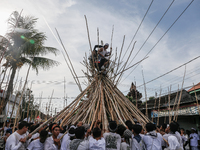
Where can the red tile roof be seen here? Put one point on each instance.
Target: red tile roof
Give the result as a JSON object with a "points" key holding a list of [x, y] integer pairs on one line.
{"points": [[195, 87]]}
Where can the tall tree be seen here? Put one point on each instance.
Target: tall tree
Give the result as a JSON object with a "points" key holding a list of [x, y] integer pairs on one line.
{"points": [[24, 45]]}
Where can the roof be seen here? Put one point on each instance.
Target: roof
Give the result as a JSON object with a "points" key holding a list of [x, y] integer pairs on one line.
{"points": [[196, 87], [185, 98]]}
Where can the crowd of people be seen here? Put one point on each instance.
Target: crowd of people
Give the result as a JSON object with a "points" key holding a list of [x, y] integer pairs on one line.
{"points": [[130, 136]]}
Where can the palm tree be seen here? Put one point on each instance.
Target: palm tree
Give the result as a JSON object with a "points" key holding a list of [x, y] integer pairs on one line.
{"points": [[24, 45]]}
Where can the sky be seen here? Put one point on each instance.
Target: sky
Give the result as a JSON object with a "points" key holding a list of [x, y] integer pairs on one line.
{"points": [[178, 46]]}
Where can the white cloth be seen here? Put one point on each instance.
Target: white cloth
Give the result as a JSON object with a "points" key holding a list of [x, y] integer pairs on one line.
{"points": [[178, 135], [97, 144], [5, 128], [84, 145], [113, 141], [125, 146], [65, 141], [36, 135], [137, 146], [13, 142], [194, 140], [49, 144], [153, 142], [173, 143], [36, 145], [103, 52]]}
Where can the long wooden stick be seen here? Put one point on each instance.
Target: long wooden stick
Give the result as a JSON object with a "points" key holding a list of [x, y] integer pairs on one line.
{"points": [[180, 96]]}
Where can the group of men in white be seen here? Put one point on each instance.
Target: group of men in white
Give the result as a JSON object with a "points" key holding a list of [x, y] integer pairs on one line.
{"points": [[114, 137]]}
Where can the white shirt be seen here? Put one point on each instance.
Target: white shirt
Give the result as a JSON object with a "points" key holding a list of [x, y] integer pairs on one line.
{"points": [[173, 143], [13, 142], [137, 146], [113, 141], [84, 145], [152, 142], [65, 141], [97, 144], [36, 145], [49, 144], [125, 146], [34, 136], [194, 140]]}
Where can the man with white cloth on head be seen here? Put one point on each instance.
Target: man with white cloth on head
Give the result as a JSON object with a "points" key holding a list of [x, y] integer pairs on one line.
{"points": [[66, 139], [194, 139]]}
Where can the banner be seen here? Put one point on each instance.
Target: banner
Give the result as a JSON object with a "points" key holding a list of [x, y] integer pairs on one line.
{"points": [[188, 110]]}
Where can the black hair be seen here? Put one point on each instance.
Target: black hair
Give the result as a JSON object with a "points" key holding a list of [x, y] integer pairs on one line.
{"points": [[36, 126], [120, 129], [113, 125], [182, 129], [43, 133], [129, 124], [57, 126], [137, 128], [22, 124], [50, 126], [80, 132], [96, 132], [164, 126], [173, 127], [32, 128], [150, 127], [11, 125]]}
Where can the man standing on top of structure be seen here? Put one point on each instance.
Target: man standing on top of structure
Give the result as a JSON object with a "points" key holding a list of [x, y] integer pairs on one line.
{"points": [[103, 54]]}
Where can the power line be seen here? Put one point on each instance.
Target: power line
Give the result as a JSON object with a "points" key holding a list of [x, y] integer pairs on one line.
{"points": [[138, 28], [151, 32], [170, 71], [162, 36]]}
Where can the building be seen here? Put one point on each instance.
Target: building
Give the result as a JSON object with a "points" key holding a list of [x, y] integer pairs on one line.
{"points": [[9, 107], [188, 110]]}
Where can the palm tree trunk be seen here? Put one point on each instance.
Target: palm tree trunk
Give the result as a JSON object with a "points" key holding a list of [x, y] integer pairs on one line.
{"points": [[10, 89]]}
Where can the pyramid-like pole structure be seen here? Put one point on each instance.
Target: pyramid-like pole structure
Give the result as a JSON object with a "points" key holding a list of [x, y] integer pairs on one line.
{"points": [[104, 101]]}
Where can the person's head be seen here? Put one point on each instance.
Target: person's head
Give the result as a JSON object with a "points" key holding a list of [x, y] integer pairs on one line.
{"points": [[173, 127], [80, 132], [23, 127], [182, 130], [7, 133], [193, 130], [129, 124], [7, 124], [72, 133], [136, 129], [106, 46], [112, 127], [55, 130], [150, 127], [80, 123], [188, 132], [96, 133], [127, 136], [163, 127], [43, 136], [120, 129], [50, 126]]}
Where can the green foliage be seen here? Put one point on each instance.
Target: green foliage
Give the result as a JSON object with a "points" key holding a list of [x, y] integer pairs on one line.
{"points": [[151, 98], [131, 99]]}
